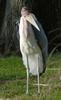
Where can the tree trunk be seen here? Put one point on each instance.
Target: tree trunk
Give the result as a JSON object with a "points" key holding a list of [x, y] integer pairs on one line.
{"points": [[9, 40]]}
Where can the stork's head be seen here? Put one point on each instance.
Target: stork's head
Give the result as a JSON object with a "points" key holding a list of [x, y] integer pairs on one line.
{"points": [[25, 11]]}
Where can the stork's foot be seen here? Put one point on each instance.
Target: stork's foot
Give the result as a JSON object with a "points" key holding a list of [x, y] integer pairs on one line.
{"points": [[38, 93], [27, 92]]}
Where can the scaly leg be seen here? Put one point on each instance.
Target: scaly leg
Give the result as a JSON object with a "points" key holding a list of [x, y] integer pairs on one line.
{"points": [[27, 90], [38, 76]]}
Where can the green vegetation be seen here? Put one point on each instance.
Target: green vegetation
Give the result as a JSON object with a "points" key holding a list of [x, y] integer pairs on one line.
{"points": [[13, 80]]}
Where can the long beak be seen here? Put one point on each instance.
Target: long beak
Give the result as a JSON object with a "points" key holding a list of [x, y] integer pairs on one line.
{"points": [[31, 20]]}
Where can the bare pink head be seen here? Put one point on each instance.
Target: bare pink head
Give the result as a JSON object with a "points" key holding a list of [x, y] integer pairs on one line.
{"points": [[25, 11]]}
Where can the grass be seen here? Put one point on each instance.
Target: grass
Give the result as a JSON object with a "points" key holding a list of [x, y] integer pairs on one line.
{"points": [[13, 80]]}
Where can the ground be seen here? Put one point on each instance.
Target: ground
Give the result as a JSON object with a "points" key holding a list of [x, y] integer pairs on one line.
{"points": [[13, 80]]}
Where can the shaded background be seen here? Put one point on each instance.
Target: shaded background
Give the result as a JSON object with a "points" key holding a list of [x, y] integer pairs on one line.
{"points": [[48, 12]]}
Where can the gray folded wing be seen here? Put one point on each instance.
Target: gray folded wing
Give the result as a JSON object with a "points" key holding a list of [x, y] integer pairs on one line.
{"points": [[41, 40]]}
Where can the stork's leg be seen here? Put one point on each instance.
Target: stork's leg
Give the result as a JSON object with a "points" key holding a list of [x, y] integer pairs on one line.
{"points": [[38, 84], [38, 76], [27, 90]]}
